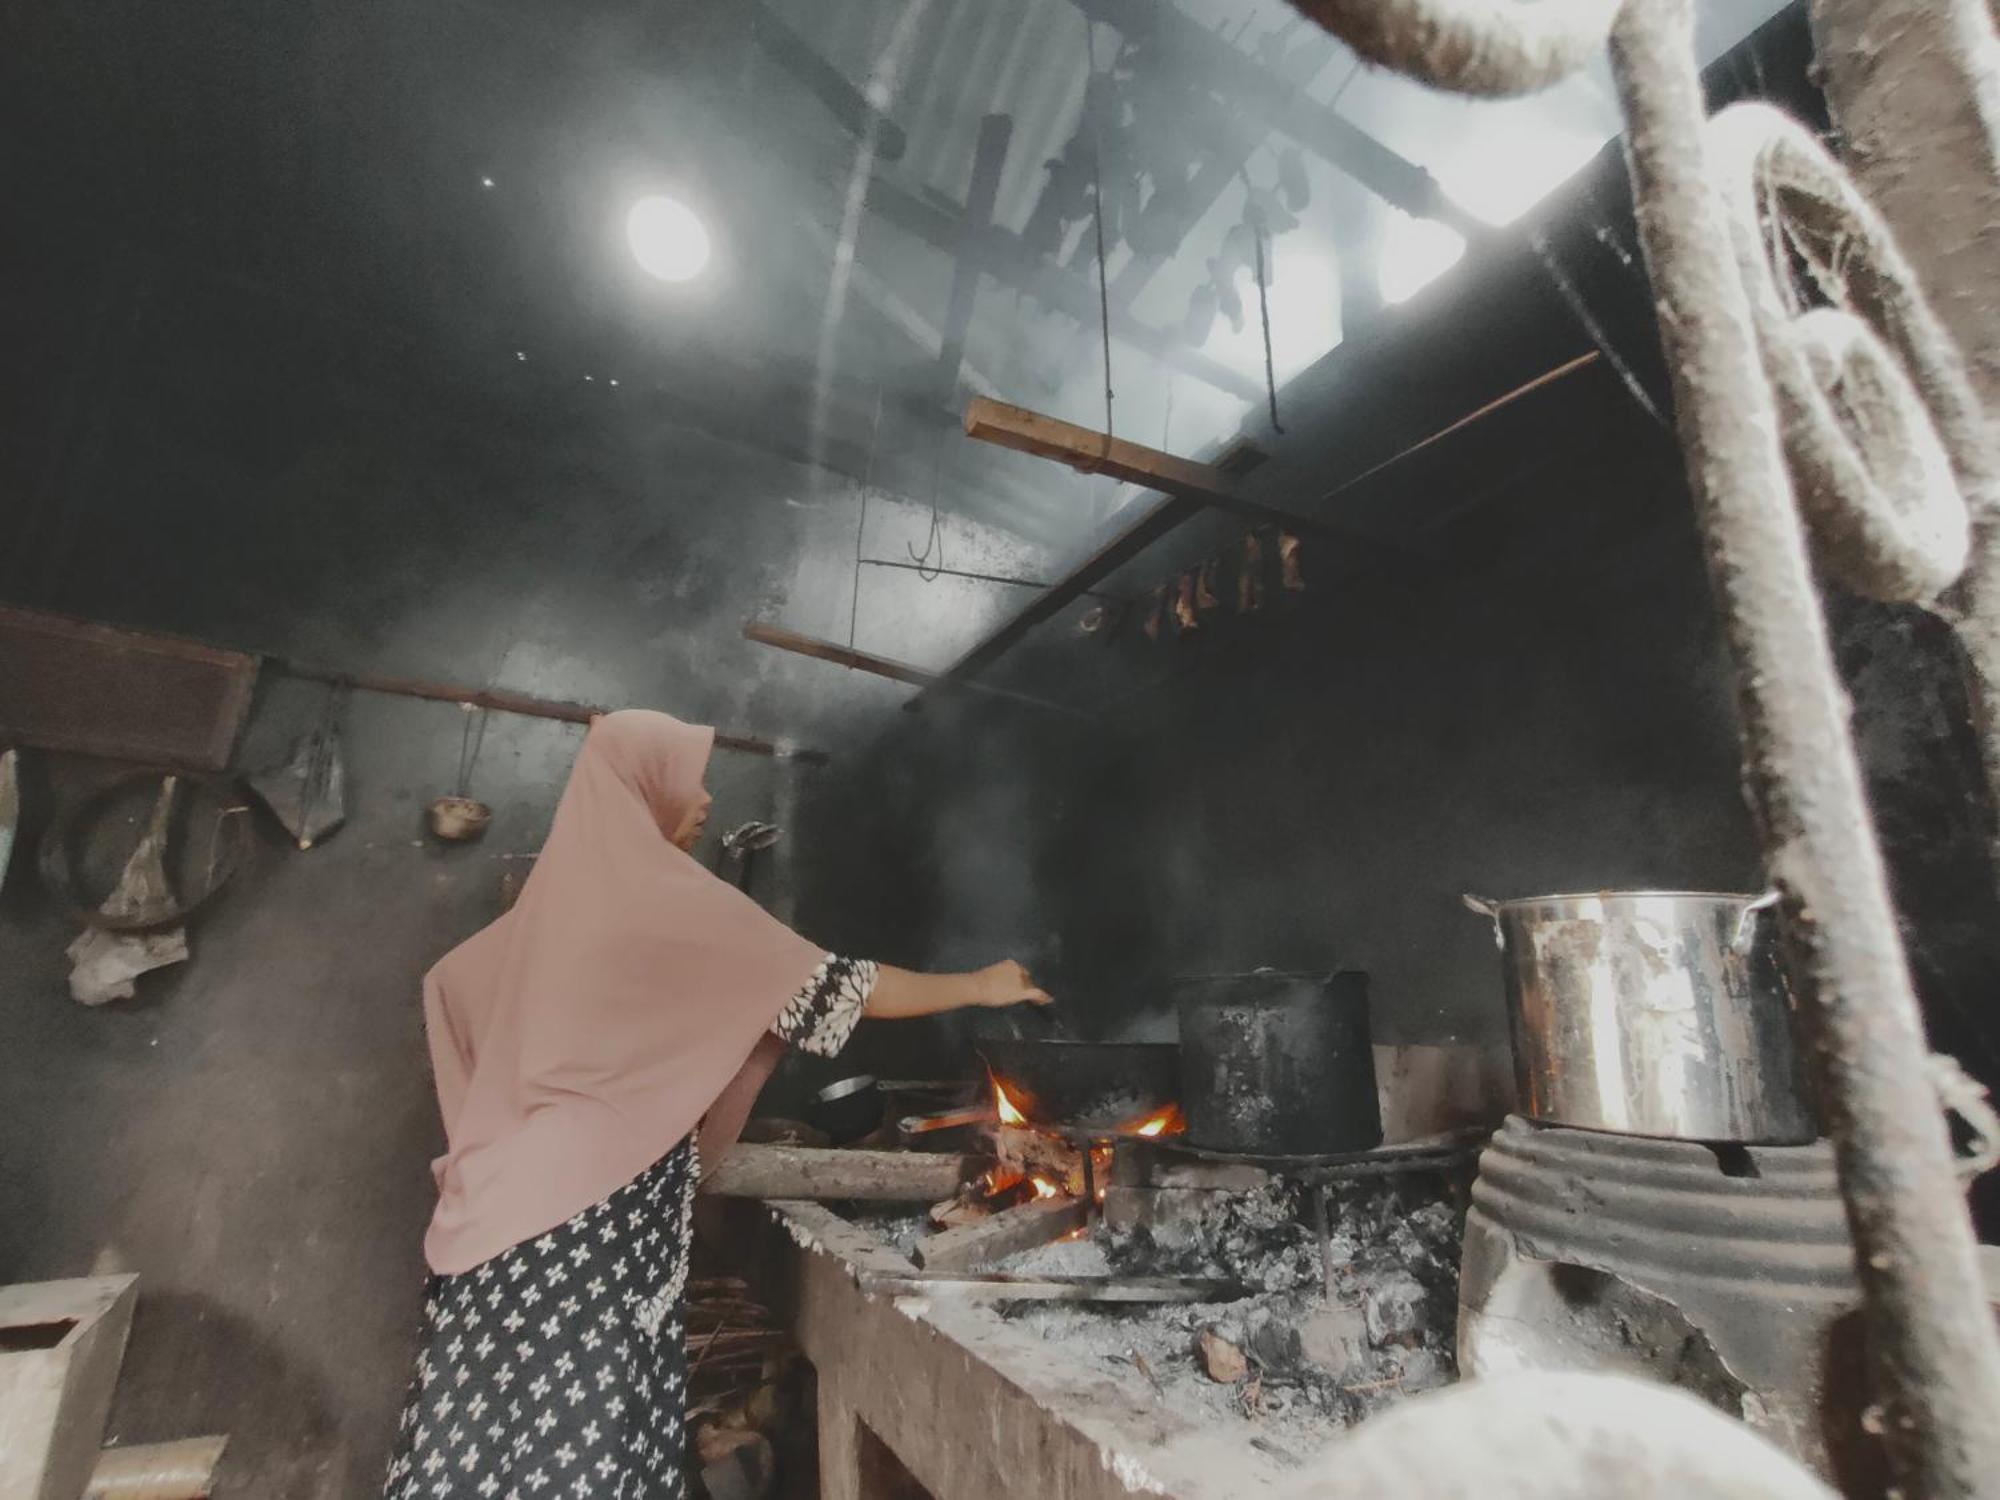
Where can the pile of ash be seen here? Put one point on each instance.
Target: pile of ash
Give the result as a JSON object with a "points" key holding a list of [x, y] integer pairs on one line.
{"points": [[1287, 1360], [1388, 1329]]}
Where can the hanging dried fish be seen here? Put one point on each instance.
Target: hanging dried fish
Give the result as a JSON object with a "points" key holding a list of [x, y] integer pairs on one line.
{"points": [[1205, 597], [1288, 563], [1184, 611], [1156, 616], [1250, 577]]}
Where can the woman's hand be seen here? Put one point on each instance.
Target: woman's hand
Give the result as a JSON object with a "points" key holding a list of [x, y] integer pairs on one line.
{"points": [[899, 994], [1007, 983]]}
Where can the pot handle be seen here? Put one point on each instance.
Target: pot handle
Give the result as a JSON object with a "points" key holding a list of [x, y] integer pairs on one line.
{"points": [[1959, 1093], [1746, 920], [1487, 907]]}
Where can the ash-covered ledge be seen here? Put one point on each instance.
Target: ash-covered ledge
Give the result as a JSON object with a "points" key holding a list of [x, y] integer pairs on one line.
{"points": [[951, 1395]]}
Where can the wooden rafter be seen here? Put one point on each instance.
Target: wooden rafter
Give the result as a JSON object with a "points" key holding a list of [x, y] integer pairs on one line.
{"points": [[988, 158]]}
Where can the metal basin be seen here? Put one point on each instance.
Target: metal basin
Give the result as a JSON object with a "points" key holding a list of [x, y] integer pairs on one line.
{"points": [[1657, 1013]]}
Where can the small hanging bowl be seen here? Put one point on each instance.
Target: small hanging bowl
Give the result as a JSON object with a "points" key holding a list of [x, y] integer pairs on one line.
{"points": [[459, 820]]}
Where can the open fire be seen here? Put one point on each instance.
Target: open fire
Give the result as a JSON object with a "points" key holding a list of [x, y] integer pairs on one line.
{"points": [[1040, 1161], [1167, 1120]]}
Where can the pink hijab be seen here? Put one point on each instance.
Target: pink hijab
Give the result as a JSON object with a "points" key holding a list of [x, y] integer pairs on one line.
{"points": [[580, 1037]]}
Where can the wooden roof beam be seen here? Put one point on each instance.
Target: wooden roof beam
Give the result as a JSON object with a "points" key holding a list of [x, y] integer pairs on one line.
{"points": [[988, 158], [1283, 107]]}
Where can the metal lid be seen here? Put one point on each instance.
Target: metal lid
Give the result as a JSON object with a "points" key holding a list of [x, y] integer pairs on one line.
{"points": [[847, 1087]]}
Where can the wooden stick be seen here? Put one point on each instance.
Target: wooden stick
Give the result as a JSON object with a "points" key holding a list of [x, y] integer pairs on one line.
{"points": [[525, 704], [861, 661], [971, 1246], [1027, 431], [179, 1470], [996, 1287], [1547, 377], [820, 1174], [842, 656]]}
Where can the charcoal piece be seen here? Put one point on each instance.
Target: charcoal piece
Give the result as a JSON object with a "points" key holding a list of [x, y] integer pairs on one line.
{"points": [[1334, 1340], [1421, 1369], [1394, 1308], [1221, 1360]]}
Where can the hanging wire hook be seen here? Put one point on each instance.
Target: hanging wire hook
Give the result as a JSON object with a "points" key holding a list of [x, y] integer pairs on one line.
{"points": [[928, 567], [469, 745]]}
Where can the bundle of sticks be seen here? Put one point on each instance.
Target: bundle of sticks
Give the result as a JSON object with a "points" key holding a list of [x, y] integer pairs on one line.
{"points": [[745, 1381]]}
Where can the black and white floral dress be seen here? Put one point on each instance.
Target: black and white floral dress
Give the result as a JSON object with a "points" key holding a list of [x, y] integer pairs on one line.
{"points": [[557, 1370]]}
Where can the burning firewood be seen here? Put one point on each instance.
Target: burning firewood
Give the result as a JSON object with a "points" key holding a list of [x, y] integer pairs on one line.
{"points": [[1003, 1234], [954, 1212], [1037, 1154]]}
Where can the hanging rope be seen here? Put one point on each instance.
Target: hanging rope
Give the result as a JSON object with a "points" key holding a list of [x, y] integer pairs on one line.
{"points": [[1097, 220], [1264, 307], [320, 759]]}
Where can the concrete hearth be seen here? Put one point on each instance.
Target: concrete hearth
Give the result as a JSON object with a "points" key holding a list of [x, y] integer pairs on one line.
{"points": [[966, 1406]]}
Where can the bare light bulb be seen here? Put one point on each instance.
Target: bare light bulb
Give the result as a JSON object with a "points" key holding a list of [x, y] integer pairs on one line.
{"points": [[667, 239]]}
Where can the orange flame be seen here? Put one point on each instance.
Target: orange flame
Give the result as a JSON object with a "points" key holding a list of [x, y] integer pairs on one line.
{"points": [[1100, 1161], [1168, 1121], [1044, 1188], [1010, 1112]]}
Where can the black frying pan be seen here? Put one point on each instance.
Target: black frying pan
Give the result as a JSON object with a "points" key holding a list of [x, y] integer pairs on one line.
{"points": [[1086, 1085]]}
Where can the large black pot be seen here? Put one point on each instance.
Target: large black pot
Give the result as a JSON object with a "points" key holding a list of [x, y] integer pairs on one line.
{"points": [[1106, 1086], [1278, 1064]]}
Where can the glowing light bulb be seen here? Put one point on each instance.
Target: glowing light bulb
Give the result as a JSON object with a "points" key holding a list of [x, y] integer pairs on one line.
{"points": [[667, 239]]}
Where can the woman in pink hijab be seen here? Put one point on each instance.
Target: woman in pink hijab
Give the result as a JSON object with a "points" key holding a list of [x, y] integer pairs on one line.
{"points": [[629, 1006]]}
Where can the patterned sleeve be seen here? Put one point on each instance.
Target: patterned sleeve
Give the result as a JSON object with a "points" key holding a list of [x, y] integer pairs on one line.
{"points": [[823, 1014]]}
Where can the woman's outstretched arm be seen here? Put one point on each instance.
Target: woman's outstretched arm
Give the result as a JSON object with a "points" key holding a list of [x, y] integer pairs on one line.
{"points": [[900, 993]]}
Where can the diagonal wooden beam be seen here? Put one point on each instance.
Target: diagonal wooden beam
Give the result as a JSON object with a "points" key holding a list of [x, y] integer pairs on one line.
{"points": [[988, 158], [1166, 514], [1003, 256], [833, 651], [940, 223], [857, 114]]}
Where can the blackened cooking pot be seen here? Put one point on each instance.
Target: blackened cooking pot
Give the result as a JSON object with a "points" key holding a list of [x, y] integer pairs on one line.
{"points": [[1278, 1064]]}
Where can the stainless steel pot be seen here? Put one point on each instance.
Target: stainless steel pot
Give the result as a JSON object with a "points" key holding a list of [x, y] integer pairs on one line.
{"points": [[1659, 1013]]}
